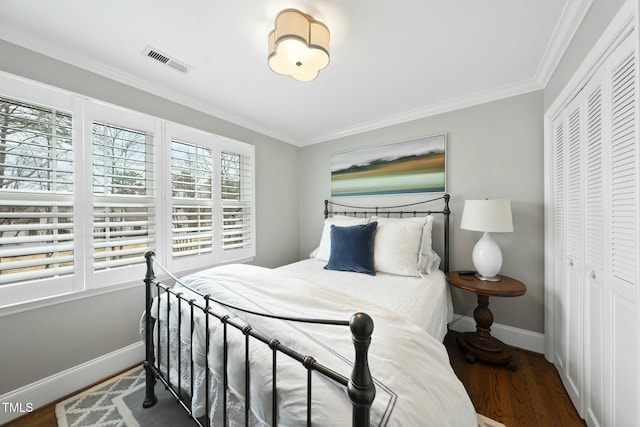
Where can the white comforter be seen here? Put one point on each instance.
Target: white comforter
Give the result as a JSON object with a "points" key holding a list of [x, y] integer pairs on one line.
{"points": [[425, 301], [415, 384]]}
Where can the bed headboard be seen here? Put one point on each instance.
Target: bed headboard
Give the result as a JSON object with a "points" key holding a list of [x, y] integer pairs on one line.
{"points": [[399, 211]]}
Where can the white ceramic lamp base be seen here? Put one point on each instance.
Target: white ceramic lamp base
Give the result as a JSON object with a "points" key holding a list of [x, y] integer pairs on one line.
{"points": [[487, 258]]}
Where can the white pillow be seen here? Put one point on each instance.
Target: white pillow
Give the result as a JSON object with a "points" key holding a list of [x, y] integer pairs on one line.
{"points": [[323, 252], [426, 259], [397, 247], [429, 259]]}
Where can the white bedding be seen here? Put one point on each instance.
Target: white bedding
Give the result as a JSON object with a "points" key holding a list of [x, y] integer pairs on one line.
{"points": [[425, 301], [415, 384]]}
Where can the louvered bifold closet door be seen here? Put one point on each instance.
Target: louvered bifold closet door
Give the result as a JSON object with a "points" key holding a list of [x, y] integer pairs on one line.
{"points": [[596, 311], [559, 246], [622, 271], [595, 235], [574, 260]]}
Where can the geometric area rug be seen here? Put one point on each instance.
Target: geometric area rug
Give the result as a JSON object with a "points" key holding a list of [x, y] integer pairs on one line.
{"points": [[117, 402], [488, 422]]}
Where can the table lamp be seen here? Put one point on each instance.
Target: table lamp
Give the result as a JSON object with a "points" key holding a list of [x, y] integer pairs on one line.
{"points": [[488, 216]]}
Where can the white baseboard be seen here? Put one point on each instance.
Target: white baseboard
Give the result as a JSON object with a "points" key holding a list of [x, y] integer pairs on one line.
{"points": [[40, 393], [521, 338]]}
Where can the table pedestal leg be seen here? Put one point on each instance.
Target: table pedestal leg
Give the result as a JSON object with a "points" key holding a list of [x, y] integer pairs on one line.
{"points": [[480, 344]]}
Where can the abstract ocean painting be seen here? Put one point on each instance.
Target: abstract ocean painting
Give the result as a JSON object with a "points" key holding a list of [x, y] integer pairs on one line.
{"points": [[415, 166]]}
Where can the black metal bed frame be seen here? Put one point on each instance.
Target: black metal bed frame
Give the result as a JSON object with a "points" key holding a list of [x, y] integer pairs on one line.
{"points": [[389, 210], [359, 385]]}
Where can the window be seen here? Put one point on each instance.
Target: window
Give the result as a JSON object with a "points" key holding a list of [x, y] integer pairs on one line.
{"points": [[236, 199], [235, 187], [192, 193], [123, 195], [211, 199], [36, 188], [86, 188]]}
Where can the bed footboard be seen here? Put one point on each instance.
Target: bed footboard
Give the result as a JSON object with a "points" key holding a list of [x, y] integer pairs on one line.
{"points": [[360, 387], [149, 359]]}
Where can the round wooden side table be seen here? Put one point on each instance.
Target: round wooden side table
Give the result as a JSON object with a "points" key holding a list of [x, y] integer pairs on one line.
{"points": [[480, 344]]}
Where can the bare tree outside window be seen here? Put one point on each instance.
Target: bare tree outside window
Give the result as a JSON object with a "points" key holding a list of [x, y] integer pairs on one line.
{"points": [[122, 169], [236, 211], [36, 158], [192, 191]]}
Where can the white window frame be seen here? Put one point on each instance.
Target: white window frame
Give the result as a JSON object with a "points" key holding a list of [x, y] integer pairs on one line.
{"points": [[100, 112], [85, 282], [189, 135], [18, 89], [231, 146], [217, 144]]}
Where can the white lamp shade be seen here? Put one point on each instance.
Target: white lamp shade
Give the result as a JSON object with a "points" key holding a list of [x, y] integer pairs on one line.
{"points": [[492, 215]]}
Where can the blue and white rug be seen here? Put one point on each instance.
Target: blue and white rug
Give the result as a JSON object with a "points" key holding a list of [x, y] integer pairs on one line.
{"points": [[117, 402]]}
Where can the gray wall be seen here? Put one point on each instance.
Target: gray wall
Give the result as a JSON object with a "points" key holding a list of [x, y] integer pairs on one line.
{"points": [[494, 150], [39, 343], [43, 342]]}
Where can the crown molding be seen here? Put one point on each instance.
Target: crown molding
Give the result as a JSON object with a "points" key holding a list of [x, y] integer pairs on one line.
{"points": [[570, 19], [478, 98], [569, 22], [44, 47]]}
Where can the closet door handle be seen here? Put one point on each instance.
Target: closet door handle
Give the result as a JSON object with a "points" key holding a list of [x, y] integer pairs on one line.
{"points": [[570, 262], [591, 274]]}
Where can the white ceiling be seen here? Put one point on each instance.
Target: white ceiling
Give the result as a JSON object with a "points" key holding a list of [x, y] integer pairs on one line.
{"points": [[391, 61]]}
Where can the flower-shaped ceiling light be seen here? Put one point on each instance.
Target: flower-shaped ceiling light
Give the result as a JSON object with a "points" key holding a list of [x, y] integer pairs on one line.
{"points": [[298, 46]]}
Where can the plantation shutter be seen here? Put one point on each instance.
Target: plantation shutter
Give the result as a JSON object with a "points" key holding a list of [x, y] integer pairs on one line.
{"points": [[36, 192], [192, 199], [123, 196], [236, 197]]}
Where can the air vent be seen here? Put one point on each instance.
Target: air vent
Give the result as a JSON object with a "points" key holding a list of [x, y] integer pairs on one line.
{"points": [[165, 59]]}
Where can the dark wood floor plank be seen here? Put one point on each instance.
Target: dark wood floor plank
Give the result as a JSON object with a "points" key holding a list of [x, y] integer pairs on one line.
{"points": [[42, 417], [533, 395]]}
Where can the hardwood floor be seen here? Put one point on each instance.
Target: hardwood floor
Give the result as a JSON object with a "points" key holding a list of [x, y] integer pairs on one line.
{"points": [[532, 396], [43, 417]]}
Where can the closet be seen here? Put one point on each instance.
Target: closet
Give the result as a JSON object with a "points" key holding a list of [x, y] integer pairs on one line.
{"points": [[592, 213]]}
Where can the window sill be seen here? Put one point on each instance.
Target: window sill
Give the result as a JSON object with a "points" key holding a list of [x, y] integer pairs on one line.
{"points": [[78, 295]]}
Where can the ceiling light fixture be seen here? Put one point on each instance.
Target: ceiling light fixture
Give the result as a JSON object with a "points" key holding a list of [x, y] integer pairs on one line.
{"points": [[298, 45]]}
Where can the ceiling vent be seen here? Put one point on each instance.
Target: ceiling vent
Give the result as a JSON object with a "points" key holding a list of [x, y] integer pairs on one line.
{"points": [[165, 59]]}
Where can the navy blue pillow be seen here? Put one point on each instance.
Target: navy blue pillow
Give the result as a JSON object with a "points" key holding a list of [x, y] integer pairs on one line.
{"points": [[352, 248]]}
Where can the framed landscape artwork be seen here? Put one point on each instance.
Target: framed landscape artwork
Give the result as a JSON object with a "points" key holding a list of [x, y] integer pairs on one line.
{"points": [[415, 166]]}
